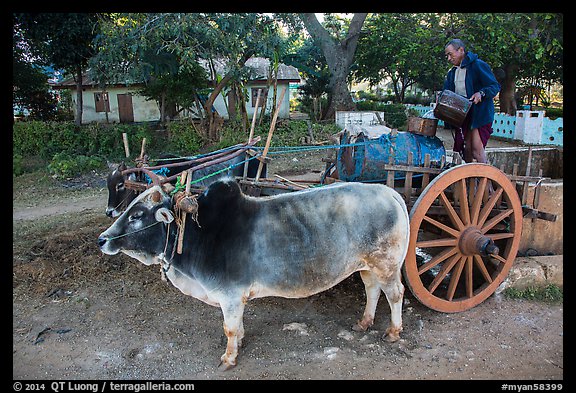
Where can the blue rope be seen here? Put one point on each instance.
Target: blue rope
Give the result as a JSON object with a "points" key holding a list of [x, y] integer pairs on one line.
{"points": [[229, 148], [283, 149], [162, 172]]}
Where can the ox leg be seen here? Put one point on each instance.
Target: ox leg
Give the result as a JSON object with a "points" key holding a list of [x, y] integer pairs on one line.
{"points": [[234, 330], [394, 291], [240, 335], [372, 287]]}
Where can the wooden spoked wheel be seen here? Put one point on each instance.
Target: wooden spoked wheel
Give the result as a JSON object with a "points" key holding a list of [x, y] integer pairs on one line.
{"points": [[465, 230]]}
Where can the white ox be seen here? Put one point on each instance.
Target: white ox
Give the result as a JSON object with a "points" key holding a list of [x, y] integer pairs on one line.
{"points": [[292, 245]]}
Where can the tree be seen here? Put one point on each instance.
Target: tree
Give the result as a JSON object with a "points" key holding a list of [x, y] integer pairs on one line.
{"points": [[175, 90], [228, 38], [339, 53], [518, 46], [402, 47], [63, 40], [311, 63], [523, 49], [30, 90]]}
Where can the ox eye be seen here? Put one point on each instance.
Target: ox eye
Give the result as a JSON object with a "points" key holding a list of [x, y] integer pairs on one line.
{"points": [[119, 186], [135, 216]]}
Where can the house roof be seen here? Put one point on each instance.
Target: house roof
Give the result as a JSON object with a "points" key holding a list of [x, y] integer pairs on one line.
{"points": [[257, 66], [87, 81]]}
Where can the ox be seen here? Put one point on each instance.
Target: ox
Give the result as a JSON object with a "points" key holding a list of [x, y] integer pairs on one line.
{"points": [[292, 245], [119, 196]]}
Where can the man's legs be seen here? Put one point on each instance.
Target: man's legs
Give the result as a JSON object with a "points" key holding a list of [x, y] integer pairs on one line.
{"points": [[474, 150], [473, 147]]}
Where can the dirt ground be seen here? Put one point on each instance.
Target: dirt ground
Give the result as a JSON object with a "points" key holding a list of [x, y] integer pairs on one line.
{"points": [[80, 314]]}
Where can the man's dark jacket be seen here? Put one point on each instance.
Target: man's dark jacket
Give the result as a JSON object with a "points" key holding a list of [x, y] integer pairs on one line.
{"points": [[479, 76]]}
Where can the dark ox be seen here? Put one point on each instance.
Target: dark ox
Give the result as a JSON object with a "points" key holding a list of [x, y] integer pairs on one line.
{"points": [[292, 245], [119, 196]]}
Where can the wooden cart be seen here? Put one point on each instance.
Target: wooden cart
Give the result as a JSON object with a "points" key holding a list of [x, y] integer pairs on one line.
{"points": [[465, 225]]}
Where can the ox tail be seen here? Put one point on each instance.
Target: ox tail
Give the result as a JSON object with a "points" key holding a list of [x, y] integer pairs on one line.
{"points": [[403, 207]]}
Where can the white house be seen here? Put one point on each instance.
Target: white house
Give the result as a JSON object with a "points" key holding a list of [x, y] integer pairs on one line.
{"points": [[258, 67], [121, 103]]}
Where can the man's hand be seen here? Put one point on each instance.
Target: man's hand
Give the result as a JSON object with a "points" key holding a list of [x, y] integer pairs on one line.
{"points": [[476, 97]]}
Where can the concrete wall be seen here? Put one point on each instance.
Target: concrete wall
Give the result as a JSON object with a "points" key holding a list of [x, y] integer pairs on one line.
{"points": [[284, 108], [504, 125], [143, 110], [147, 110], [553, 131], [545, 237], [550, 159], [221, 106], [358, 118], [531, 127]]}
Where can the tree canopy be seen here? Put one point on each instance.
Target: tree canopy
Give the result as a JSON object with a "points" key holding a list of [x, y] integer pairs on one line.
{"points": [[61, 40], [150, 47], [175, 54]]}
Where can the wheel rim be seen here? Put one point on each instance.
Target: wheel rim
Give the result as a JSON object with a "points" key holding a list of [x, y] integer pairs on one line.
{"points": [[447, 267]]}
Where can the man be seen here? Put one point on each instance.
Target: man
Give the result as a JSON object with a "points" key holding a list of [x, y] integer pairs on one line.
{"points": [[472, 78]]}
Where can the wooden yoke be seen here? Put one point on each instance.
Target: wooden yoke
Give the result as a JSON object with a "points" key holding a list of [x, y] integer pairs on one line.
{"points": [[186, 203]]}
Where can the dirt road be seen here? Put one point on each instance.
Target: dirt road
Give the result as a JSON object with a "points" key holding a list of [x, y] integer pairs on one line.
{"points": [[79, 314]]}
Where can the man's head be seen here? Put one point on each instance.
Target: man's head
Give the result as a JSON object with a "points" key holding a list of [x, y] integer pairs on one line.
{"points": [[455, 51]]}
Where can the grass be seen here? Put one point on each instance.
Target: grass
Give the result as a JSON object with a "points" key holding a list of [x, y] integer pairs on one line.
{"points": [[549, 294]]}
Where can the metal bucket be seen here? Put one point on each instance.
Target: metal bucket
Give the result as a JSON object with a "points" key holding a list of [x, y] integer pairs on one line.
{"points": [[452, 108]]}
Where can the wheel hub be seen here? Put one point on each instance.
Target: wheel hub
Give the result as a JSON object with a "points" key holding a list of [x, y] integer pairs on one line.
{"points": [[472, 241]]}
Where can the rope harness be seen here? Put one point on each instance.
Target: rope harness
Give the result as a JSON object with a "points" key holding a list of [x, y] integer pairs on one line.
{"points": [[133, 232]]}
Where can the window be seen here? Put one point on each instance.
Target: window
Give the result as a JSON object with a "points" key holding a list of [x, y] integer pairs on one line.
{"points": [[263, 95], [101, 102]]}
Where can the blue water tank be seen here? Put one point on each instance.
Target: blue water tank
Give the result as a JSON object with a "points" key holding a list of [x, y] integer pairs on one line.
{"points": [[362, 159]]}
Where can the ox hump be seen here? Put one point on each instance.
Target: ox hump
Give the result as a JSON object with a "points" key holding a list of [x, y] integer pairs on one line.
{"points": [[221, 193]]}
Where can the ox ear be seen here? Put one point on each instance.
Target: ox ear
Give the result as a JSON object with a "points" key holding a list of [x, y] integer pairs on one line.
{"points": [[164, 215]]}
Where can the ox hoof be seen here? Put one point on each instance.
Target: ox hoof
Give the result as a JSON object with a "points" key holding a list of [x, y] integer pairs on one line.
{"points": [[361, 326], [392, 335], [225, 365]]}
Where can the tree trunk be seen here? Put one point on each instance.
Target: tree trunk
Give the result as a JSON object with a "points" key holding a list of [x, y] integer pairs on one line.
{"points": [[212, 131], [79, 101], [395, 88], [508, 90], [315, 110], [339, 56], [339, 99], [163, 109], [243, 109], [232, 103], [265, 97]]}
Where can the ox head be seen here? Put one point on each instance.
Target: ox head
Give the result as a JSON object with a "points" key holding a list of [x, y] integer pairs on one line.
{"points": [[118, 195], [141, 230]]}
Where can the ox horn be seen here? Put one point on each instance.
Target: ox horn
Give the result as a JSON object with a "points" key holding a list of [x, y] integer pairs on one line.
{"points": [[168, 188], [156, 196]]}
